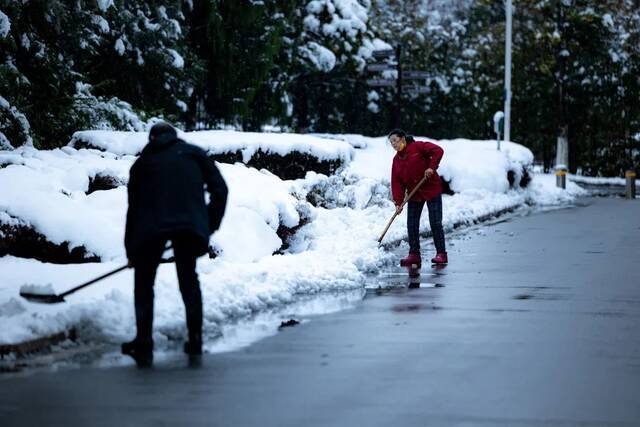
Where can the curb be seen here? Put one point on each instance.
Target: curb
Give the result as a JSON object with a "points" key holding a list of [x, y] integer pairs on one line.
{"points": [[36, 345]]}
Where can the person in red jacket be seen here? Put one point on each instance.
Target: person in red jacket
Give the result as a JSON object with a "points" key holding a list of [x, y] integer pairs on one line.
{"points": [[414, 160]]}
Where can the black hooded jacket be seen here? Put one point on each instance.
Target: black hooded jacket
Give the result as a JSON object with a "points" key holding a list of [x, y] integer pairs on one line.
{"points": [[166, 194]]}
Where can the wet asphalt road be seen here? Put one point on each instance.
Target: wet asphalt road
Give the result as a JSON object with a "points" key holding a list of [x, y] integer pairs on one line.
{"points": [[536, 323]]}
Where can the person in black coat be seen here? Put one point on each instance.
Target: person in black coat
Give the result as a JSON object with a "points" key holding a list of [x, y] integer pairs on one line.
{"points": [[167, 203]]}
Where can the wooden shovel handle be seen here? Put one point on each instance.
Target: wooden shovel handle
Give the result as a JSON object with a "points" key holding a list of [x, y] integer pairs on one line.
{"points": [[404, 202]]}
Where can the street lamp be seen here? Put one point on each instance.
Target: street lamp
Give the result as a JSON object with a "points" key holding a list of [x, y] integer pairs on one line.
{"points": [[507, 73]]}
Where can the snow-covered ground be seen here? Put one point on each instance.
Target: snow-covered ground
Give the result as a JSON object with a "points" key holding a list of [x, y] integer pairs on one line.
{"points": [[334, 252]]}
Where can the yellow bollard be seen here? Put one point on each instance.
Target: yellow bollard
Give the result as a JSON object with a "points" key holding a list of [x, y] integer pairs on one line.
{"points": [[631, 184], [561, 178]]}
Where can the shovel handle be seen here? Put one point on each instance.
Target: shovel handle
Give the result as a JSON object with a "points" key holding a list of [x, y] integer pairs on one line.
{"points": [[387, 227], [404, 202], [110, 273], [91, 282]]}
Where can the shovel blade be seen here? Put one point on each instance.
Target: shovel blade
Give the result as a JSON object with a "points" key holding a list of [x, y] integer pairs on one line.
{"points": [[42, 298]]}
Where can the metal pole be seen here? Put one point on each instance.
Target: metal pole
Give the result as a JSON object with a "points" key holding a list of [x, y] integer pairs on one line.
{"points": [[507, 73], [631, 184], [562, 158]]}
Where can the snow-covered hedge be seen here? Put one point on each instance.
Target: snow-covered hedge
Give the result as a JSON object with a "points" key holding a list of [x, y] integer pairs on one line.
{"points": [[51, 193], [466, 164], [289, 156]]}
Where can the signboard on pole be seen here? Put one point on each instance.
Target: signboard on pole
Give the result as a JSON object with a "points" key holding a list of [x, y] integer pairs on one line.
{"points": [[380, 82], [381, 67], [414, 90], [385, 53], [415, 74]]}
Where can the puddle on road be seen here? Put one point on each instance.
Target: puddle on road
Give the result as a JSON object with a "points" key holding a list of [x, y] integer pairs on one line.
{"points": [[399, 288], [543, 297], [409, 308], [227, 337], [244, 332], [412, 278], [505, 310], [533, 288], [414, 308]]}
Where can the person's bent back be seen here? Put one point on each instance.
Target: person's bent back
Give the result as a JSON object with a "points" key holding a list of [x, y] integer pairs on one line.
{"points": [[166, 192], [167, 203]]}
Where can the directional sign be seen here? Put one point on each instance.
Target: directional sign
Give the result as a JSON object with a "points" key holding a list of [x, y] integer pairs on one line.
{"points": [[378, 54], [381, 82], [414, 90], [381, 67], [415, 74]]}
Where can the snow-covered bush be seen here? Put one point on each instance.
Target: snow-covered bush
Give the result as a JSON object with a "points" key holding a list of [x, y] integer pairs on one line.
{"points": [[353, 192], [105, 114]]}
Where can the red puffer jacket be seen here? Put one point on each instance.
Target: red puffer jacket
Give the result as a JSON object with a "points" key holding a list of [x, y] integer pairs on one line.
{"points": [[408, 169]]}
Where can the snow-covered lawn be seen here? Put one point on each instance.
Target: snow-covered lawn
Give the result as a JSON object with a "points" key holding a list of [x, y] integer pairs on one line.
{"points": [[598, 180], [332, 252]]}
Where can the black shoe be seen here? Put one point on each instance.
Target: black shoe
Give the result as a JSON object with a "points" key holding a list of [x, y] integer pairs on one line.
{"points": [[141, 352], [193, 347]]}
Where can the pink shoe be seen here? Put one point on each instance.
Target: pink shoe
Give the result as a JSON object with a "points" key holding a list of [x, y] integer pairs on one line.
{"points": [[412, 260], [440, 258]]}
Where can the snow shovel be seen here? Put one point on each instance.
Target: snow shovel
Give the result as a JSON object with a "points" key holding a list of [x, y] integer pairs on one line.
{"points": [[51, 298], [395, 214]]}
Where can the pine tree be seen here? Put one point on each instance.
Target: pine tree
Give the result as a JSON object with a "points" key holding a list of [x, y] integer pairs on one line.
{"points": [[239, 43], [330, 43], [87, 64], [144, 40], [572, 72]]}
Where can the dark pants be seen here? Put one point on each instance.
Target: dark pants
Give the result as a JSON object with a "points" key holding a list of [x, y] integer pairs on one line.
{"points": [[414, 210], [146, 265]]}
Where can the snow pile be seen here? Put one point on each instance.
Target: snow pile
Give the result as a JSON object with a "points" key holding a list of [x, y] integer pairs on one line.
{"points": [[13, 307], [248, 229], [337, 247]]}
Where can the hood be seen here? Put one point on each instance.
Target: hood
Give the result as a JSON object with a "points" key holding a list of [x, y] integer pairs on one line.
{"points": [[160, 138]]}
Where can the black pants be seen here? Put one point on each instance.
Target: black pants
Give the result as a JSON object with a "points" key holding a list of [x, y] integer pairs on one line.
{"points": [[414, 211], [146, 265]]}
